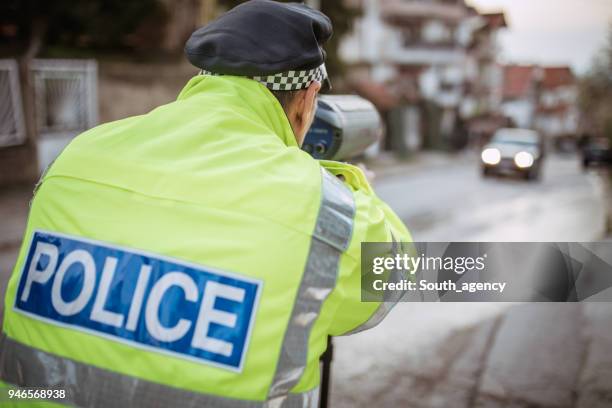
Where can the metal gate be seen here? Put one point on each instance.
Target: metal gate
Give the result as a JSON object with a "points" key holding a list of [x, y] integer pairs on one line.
{"points": [[66, 96], [12, 127], [66, 103]]}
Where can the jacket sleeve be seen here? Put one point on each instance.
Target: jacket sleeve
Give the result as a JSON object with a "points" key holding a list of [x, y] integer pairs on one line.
{"points": [[374, 221]]}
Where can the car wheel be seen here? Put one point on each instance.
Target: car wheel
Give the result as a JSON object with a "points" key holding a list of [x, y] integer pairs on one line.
{"points": [[532, 174], [585, 163]]}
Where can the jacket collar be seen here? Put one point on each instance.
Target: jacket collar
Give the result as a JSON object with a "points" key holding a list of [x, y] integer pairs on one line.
{"points": [[245, 92]]}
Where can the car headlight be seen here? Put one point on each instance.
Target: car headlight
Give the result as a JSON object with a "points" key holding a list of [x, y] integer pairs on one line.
{"points": [[523, 159], [491, 155]]}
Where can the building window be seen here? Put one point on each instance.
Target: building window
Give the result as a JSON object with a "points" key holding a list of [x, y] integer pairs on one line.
{"points": [[411, 35], [436, 32]]}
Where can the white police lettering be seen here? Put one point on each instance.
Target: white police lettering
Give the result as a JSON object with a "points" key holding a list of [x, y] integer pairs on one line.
{"points": [[89, 271], [143, 280], [154, 326], [208, 314], [98, 313], [42, 276], [142, 299]]}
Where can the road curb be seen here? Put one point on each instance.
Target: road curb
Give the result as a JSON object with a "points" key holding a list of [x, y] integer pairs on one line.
{"points": [[608, 195], [388, 165]]}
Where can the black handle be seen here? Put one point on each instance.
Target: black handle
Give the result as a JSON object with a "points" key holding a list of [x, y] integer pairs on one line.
{"points": [[326, 360]]}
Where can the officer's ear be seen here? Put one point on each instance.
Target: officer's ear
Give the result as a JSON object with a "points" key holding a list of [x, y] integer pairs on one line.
{"points": [[302, 111], [310, 100]]}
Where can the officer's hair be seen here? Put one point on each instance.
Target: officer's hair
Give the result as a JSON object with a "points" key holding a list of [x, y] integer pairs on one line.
{"points": [[284, 97]]}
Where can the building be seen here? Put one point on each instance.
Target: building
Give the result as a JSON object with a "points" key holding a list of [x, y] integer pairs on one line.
{"points": [[541, 98], [430, 66], [482, 97], [557, 112], [484, 74], [520, 93]]}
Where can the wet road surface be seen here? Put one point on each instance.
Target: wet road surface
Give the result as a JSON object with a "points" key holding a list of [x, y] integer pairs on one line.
{"points": [[485, 354]]}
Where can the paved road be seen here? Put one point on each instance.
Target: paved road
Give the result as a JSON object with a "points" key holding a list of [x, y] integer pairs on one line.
{"points": [[476, 354]]}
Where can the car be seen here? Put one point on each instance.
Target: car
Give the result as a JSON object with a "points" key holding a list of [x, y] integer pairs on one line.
{"points": [[514, 151], [597, 151]]}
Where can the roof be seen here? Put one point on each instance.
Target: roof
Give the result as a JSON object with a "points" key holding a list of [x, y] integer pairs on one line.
{"points": [[487, 122], [400, 9], [557, 76], [560, 109], [517, 80]]}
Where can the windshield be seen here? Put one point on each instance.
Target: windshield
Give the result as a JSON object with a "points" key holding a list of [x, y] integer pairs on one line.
{"points": [[601, 144], [515, 136]]}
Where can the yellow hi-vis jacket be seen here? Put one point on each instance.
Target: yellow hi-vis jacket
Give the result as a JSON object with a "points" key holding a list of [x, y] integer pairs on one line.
{"points": [[191, 257]]}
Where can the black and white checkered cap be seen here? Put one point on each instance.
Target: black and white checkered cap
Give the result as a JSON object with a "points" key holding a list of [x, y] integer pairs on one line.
{"points": [[288, 80]]}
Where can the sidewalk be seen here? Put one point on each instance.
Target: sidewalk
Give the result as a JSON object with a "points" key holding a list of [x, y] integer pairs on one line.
{"points": [[608, 174], [388, 164], [14, 207]]}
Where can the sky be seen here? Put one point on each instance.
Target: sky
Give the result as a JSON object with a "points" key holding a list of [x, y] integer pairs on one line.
{"points": [[552, 32]]}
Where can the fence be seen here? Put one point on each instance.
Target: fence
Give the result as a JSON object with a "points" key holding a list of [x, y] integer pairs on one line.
{"points": [[66, 96], [12, 127]]}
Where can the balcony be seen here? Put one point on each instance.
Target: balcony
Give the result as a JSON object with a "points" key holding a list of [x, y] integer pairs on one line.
{"points": [[410, 10], [424, 55]]}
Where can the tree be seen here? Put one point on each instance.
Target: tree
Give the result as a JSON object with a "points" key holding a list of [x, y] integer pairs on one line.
{"points": [[31, 28], [342, 18], [596, 93], [91, 26]]}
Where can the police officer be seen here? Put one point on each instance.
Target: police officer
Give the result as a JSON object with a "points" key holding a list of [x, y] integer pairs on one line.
{"points": [[195, 256]]}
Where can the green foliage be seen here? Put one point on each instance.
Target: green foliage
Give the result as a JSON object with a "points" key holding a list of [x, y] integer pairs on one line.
{"points": [[342, 18], [91, 25], [596, 93]]}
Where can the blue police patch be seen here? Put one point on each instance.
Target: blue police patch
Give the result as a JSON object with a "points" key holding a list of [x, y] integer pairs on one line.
{"points": [[144, 299]]}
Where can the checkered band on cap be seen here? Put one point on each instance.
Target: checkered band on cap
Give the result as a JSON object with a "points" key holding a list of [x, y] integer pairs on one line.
{"points": [[288, 80]]}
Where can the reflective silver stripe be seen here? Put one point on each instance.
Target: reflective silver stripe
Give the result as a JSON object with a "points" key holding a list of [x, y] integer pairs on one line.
{"points": [[391, 299], [379, 314], [309, 399], [335, 221], [88, 386], [331, 237]]}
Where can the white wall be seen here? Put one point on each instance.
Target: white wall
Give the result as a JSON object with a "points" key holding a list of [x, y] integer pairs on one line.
{"points": [[558, 124], [435, 31], [520, 110]]}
